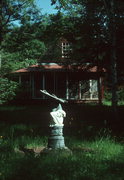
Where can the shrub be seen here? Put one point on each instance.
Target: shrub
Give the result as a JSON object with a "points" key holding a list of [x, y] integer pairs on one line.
{"points": [[7, 90], [107, 95], [120, 95]]}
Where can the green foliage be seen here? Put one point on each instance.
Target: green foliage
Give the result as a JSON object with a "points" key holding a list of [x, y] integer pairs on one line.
{"points": [[108, 97], [17, 10], [10, 62], [19, 46], [13, 12], [28, 55], [33, 49], [7, 90]]}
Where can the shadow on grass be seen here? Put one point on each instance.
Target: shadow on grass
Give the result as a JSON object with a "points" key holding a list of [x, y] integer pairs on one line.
{"points": [[82, 120]]}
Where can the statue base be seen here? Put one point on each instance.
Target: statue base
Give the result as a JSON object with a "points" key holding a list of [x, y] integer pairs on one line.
{"points": [[57, 151], [56, 143], [56, 139]]}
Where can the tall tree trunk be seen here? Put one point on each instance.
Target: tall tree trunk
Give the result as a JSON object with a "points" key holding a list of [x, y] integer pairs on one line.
{"points": [[110, 7], [113, 56], [0, 32]]}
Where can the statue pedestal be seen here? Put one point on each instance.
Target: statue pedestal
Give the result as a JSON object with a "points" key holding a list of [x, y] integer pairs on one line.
{"points": [[56, 139], [56, 143]]}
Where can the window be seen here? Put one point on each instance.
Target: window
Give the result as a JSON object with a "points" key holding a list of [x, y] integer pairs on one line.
{"points": [[83, 89], [93, 89], [89, 89], [66, 49]]}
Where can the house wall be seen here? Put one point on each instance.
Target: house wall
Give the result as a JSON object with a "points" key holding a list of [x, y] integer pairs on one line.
{"points": [[67, 85], [70, 86]]}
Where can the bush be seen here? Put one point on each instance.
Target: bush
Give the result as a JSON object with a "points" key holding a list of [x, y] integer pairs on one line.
{"points": [[107, 95], [120, 95], [7, 90]]}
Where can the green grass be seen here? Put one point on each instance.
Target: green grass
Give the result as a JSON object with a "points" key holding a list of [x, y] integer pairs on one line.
{"points": [[97, 154], [109, 103], [99, 159]]}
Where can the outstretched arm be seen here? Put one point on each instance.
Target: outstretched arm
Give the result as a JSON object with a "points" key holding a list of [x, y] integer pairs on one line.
{"points": [[53, 96]]}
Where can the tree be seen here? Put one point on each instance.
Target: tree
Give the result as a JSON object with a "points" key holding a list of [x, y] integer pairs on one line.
{"points": [[13, 12], [111, 16], [7, 90], [86, 28], [55, 30], [101, 33], [18, 38]]}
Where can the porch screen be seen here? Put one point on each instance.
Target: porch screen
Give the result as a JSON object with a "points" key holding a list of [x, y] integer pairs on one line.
{"points": [[89, 89], [37, 85], [49, 82], [60, 90], [25, 86], [44, 81], [73, 89], [83, 89], [64, 86]]}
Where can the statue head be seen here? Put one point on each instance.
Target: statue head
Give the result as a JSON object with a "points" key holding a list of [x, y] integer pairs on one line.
{"points": [[58, 108]]}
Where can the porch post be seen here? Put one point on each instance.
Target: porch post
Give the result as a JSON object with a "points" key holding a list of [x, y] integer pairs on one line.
{"points": [[54, 83], [79, 89], [99, 90], [90, 89], [67, 88], [43, 84], [20, 79], [43, 81], [30, 83], [33, 95]]}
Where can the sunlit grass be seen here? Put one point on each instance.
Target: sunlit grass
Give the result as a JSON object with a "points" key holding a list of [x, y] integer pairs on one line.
{"points": [[96, 154], [109, 103], [100, 159]]}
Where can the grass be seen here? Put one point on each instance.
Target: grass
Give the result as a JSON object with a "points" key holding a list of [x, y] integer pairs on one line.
{"points": [[109, 103], [98, 159], [97, 154]]}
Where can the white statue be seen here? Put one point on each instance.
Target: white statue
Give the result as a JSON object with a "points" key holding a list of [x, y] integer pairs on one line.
{"points": [[57, 116]]}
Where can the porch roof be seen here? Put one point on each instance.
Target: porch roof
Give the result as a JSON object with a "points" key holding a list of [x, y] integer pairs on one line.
{"points": [[59, 67]]}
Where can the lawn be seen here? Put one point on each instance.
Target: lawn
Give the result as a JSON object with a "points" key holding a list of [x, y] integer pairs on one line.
{"points": [[97, 152], [100, 159]]}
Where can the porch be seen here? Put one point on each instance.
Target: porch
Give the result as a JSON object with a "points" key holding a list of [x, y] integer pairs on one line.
{"points": [[72, 85]]}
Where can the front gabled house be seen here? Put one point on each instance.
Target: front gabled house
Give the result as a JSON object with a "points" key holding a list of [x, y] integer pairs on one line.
{"points": [[74, 83]]}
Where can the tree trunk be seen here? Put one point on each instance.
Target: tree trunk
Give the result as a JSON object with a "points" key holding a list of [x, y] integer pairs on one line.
{"points": [[0, 33], [0, 59], [113, 62], [110, 8]]}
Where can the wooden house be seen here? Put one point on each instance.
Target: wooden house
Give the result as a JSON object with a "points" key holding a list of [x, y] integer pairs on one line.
{"points": [[73, 83]]}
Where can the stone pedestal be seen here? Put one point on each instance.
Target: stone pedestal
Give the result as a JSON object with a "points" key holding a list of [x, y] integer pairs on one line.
{"points": [[56, 139]]}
